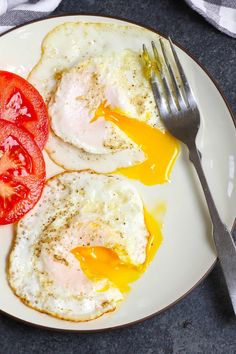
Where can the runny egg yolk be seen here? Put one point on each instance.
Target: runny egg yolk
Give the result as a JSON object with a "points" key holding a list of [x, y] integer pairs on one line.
{"points": [[99, 262], [160, 148]]}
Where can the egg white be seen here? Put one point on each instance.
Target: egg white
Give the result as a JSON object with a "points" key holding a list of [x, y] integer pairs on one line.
{"points": [[76, 209], [72, 158]]}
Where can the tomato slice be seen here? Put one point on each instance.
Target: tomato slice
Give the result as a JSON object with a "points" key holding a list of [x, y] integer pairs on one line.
{"points": [[21, 103], [22, 172]]}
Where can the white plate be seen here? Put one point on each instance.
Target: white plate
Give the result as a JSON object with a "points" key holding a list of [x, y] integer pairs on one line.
{"points": [[187, 252]]}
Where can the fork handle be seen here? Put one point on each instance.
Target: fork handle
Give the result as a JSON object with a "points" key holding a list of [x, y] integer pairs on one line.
{"points": [[225, 245]]}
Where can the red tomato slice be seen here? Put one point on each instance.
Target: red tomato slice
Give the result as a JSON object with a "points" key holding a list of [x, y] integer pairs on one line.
{"points": [[22, 172], [21, 103]]}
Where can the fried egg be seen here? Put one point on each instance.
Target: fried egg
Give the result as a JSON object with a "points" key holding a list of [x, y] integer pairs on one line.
{"points": [[77, 251], [80, 71]]}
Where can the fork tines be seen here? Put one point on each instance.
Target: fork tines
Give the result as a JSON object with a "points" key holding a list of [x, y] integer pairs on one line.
{"points": [[170, 95]]}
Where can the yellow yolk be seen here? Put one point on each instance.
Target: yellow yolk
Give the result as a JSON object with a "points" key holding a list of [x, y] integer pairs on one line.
{"points": [[160, 148], [100, 262]]}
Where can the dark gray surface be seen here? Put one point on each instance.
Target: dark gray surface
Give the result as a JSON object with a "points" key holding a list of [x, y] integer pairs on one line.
{"points": [[202, 322]]}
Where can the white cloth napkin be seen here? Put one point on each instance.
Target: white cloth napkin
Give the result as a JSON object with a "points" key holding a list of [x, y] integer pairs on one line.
{"points": [[16, 12], [220, 13]]}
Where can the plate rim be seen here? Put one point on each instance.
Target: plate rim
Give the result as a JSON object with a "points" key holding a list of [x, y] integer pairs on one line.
{"points": [[233, 117]]}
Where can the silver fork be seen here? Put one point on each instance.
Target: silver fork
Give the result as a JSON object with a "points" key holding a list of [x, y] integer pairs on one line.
{"points": [[180, 115]]}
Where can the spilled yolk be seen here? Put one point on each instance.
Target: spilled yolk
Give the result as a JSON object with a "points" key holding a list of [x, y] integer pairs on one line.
{"points": [[103, 263], [160, 148]]}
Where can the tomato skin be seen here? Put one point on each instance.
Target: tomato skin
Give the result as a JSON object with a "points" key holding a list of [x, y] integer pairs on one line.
{"points": [[31, 181], [21, 103]]}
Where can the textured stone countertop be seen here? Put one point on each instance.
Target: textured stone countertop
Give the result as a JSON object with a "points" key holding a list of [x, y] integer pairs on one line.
{"points": [[203, 321]]}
